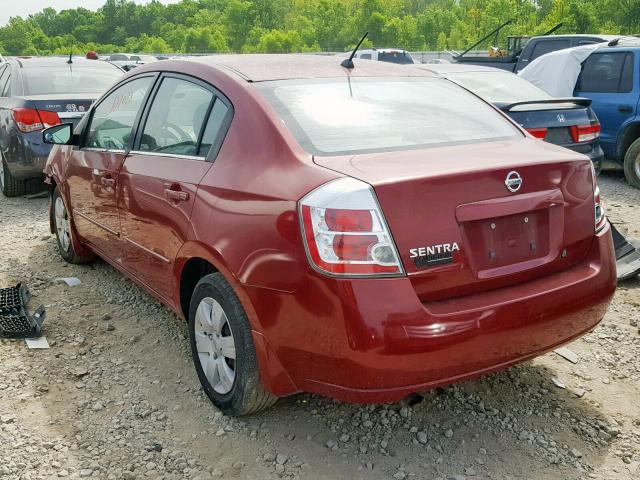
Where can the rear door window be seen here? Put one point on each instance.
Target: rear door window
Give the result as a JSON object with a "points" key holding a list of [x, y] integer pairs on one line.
{"points": [[216, 127], [177, 118], [610, 72], [113, 119]]}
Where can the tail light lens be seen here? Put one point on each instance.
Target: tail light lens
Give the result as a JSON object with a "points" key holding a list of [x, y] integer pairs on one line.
{"points": [[345, 232], [600, 217], [539, 133], [585, 133], [31, 120]]}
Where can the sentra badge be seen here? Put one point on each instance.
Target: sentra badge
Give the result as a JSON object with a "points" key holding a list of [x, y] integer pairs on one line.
{"points": [[433, 255]]}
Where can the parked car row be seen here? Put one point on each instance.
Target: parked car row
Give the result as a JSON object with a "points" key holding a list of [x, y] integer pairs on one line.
{"points": [[36, 93], [609, 75], [362, 233]]}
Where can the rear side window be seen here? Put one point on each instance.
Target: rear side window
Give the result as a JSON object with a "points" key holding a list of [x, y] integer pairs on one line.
{"points": [[177, 118], [113, 119], [365, 56], [215, 126], [64, 79], [339, 117], [610, 72], [549, 46]]}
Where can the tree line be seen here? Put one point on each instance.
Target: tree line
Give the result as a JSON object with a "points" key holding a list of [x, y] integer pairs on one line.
{"points": [[285, 26]]}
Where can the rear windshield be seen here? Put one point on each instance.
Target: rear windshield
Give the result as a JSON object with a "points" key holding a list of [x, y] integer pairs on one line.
{"points": [[499, 86], [401, 58], [69, 79], [338, 117]]}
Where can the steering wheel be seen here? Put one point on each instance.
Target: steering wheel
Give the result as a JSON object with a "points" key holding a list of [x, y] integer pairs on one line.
{"points": [[174, 132]]}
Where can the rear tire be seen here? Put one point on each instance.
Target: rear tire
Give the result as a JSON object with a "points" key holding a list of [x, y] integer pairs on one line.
{"points": [[222, 349], [10, 186], [632, 164], [64, 231]]}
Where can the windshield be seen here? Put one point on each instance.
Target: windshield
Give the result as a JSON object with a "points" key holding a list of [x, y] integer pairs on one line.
{"points": [[69, 79], [401, 58], [499, 86], [337, 116]]}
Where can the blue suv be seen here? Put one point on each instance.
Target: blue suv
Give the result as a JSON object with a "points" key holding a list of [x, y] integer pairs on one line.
{"points": [[610, 77]]}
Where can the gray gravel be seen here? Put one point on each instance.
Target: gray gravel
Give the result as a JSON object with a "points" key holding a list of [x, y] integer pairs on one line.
{"points": [[116, 396]]}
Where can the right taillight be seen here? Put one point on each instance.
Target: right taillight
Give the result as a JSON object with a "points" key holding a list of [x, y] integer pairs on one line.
{"points": [[600, 218], [345, 232], [32, 120], [584, 133]]}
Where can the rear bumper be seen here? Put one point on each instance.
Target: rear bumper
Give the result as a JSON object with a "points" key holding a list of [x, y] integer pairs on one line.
{"points": [[593, 151], [372, 340], [27, 155]]}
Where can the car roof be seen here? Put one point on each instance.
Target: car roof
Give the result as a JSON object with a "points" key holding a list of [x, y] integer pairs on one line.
{"points": [[445, 68], [261, 68], [41, 62], [580, 35]]}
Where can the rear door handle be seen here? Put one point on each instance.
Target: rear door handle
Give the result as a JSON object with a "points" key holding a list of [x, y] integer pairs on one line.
{"points": [[177, 195], [625, 109]]}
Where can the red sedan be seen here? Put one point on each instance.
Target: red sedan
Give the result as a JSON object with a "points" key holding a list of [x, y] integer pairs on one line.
{"points": [[360, 233]]}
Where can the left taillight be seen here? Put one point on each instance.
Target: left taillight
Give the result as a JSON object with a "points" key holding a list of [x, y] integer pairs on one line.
{"points": [[32, 120], [584, 133], [345, 232], [600, 217]]}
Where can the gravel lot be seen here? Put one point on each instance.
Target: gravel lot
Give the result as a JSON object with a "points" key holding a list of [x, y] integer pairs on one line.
{"points": [[116, 395]]}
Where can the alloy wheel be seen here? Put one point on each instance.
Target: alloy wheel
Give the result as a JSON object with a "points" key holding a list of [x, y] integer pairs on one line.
{"points": [[63, 227], [215, 345]]}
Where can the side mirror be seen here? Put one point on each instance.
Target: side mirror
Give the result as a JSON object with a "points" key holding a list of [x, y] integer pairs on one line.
{"points": [[59, 134]]}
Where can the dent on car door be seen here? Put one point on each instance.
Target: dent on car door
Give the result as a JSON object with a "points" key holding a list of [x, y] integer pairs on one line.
{"points": [[159, 179], [93, 167]]}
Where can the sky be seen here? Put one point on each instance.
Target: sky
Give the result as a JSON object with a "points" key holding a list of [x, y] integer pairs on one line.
{"points": [[22, 8]]}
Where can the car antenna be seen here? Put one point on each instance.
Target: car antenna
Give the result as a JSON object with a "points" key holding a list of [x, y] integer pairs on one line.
{"points": [[70, 61], [348, 62]]}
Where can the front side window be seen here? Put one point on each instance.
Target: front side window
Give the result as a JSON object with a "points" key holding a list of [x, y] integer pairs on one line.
{"points": [[606, 73], [177, 118], [113, 119], [339, 117]]}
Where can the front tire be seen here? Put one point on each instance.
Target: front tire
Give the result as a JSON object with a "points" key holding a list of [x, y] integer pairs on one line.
{"points": [[632, 164], [222, 349], [64, 231], [10, 186]]}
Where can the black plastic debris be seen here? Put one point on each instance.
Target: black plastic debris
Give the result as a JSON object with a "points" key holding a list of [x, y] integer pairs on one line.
{"points": [[15, 322], [627, 256]]}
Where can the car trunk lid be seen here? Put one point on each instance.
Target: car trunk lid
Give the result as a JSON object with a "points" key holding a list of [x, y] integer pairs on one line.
{"points": [[553, 120], [460, 230], [70, 108]]}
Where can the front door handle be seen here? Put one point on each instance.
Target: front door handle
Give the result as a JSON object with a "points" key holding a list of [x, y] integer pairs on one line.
{"points": [[176, 195], [625, 109]]}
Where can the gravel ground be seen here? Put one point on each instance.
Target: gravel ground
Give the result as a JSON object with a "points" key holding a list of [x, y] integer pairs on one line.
{"points": [[116, 395]]}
